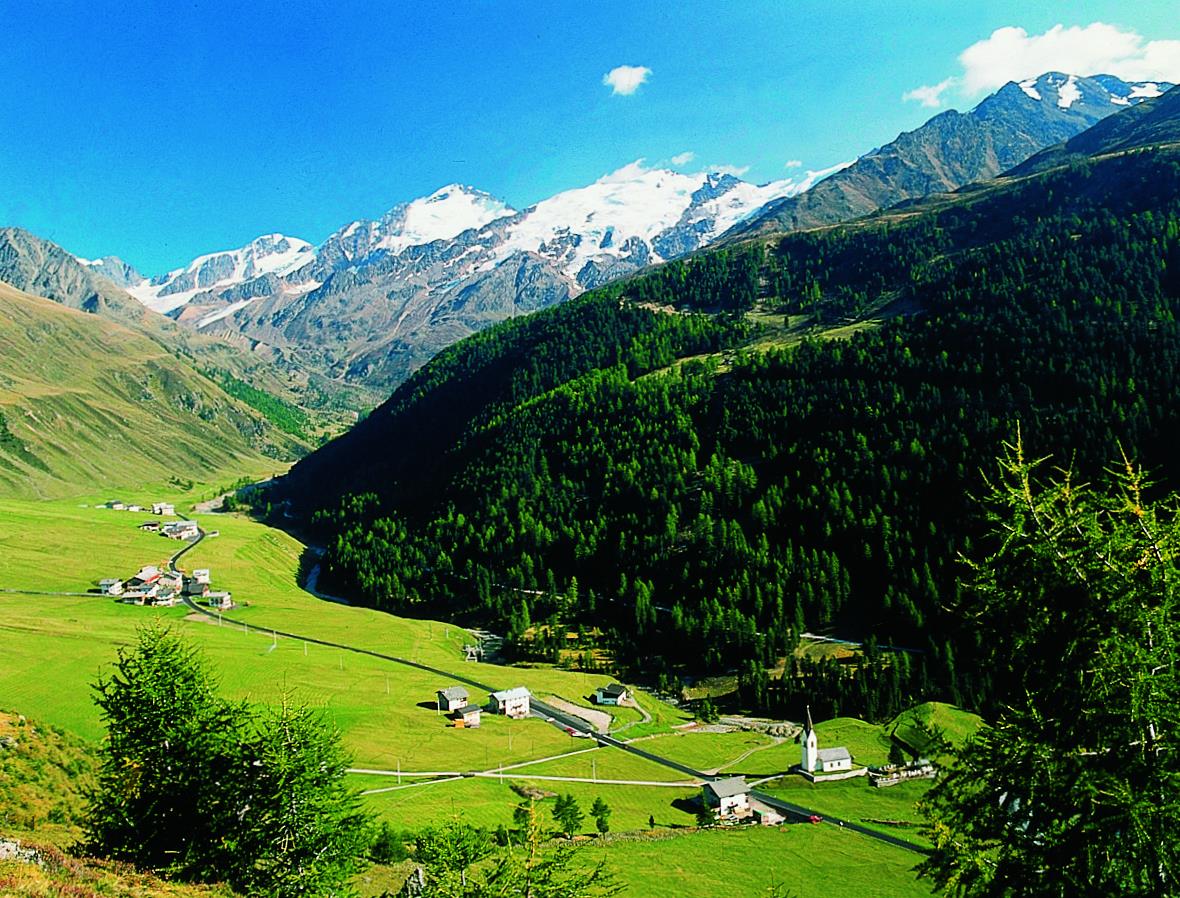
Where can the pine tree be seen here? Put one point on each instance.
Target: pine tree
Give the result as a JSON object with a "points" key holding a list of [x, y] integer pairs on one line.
{"points": [[1075, 788], [568, 815], [218, 792], [601, 812]]}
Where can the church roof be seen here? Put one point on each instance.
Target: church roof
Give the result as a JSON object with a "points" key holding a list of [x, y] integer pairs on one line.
{"points": [[833, 754]]}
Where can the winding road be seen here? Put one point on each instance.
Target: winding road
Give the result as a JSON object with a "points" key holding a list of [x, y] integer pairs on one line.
{"points": [[562, 719]]}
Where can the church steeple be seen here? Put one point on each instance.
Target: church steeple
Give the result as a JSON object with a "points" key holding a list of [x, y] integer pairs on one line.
{"points": [[810, 745]]}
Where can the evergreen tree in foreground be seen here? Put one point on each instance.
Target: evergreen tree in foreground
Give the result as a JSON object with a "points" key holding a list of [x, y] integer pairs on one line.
{"points": [[1075, 790], [215, 791]]}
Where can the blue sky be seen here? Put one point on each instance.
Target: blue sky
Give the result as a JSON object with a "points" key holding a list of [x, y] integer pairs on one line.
{"points": [[159, 131]]}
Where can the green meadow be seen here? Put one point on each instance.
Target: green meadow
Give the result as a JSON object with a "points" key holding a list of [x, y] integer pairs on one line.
{"points": [[809, 861], [55, 646]]}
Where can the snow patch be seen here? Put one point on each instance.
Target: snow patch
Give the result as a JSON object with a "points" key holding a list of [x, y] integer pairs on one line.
{"points": [[445, 214], [1030, 88], [1069, 93], [223, 313], [1145, 91]]}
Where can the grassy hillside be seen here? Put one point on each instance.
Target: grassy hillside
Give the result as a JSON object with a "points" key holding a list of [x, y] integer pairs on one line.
{"points": [[55, 645], [44, 771], [86, 403]]}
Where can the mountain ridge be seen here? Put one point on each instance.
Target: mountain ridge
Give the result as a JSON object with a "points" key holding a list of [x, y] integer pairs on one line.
{"points": [[954, 148]]}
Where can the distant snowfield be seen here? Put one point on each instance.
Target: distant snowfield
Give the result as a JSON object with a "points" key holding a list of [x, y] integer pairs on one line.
{"points": [[570, 228]]}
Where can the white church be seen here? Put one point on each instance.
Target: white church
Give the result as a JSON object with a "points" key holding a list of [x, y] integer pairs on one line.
{"points": [[818, 760]]}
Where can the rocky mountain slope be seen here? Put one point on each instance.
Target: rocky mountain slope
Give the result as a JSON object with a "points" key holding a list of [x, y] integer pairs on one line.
{"points": [[1154, 121], [379, 297], [957, 148]]}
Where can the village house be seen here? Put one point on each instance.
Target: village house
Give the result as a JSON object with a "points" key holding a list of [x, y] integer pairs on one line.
{"points": [[149, 573], [134, 508], [727, 796], [111, 586], [467, 717], [163, 508], [451, 699], [194, 589], [201, 575], [180, 530], [150, 526], [614, 694], [511, 702], [141, 594], [222, 601]]}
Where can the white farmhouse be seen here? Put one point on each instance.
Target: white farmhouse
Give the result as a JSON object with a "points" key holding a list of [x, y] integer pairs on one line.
{"points": [[727, 796], [511, 702], [452, 698]]}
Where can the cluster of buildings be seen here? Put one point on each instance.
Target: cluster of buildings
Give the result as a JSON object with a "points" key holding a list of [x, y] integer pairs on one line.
{"points": [[173, 529], [160, 508], [454, 701], [163, 587]]}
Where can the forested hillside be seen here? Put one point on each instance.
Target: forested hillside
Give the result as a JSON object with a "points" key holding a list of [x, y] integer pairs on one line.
{"points": [[624, 463]]}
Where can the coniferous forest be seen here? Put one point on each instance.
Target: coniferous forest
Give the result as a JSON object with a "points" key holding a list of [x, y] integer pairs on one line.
{"points": [[646, 463]]}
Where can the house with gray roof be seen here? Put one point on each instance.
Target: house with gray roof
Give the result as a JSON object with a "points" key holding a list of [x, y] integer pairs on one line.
{"points": [[451, 699], [730, 795]]}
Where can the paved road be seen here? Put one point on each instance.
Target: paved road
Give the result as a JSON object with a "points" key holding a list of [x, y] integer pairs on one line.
{"points": [[566, 721]]}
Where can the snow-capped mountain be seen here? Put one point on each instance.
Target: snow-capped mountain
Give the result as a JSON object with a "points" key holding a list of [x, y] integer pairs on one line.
{"points": [[272, 254], [445, 214], [402, 286], [957, 148], [380, 296]]}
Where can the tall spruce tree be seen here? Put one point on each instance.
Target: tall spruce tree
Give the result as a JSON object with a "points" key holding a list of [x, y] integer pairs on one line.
{"points": [[208, 790], [1075, 788]]}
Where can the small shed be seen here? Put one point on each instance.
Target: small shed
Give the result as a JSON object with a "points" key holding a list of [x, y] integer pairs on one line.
{"points": [[511, 702], [614, 694], [451, 699], [467, 716], [727, 796]]}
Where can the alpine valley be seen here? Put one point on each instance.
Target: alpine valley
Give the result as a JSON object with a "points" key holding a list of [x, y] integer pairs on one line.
{"points": [[669, 535]]}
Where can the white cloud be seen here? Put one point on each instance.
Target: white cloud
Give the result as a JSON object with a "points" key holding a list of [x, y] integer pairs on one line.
{"points": [[736, 170], [794, 163], [624, 80], [1012, 54], [683, 158], [930, 95], [628, 172]]}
